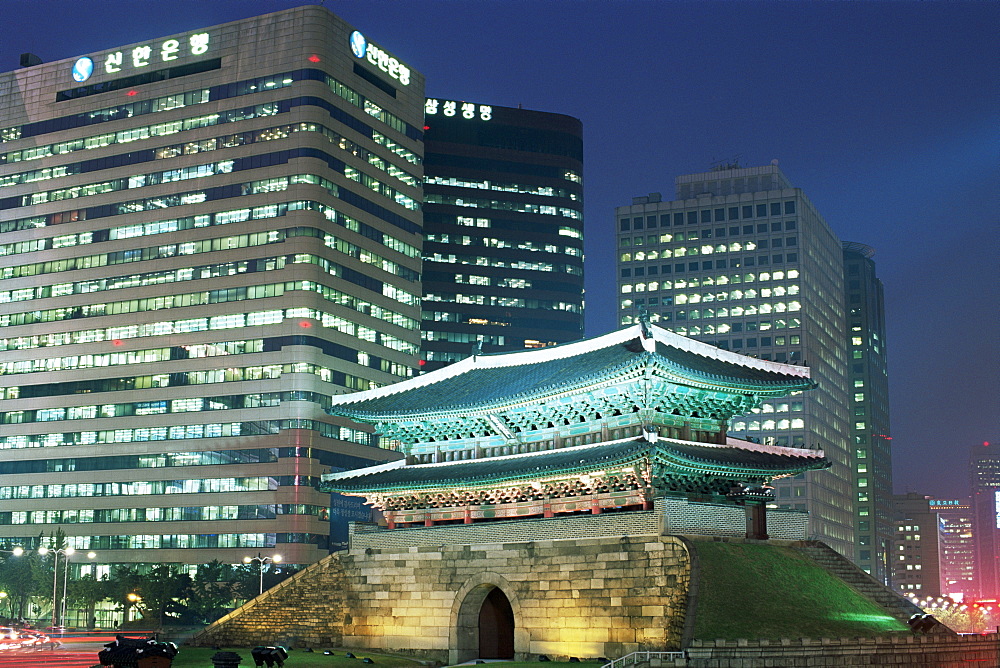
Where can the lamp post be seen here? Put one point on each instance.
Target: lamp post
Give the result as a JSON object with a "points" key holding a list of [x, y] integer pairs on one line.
{"points": [[90, 555], [66, 552], [273, 559], [134, 599]]}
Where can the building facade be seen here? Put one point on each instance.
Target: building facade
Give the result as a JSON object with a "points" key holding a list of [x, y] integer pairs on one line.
{"points": [[868, 385], [744, 261], [203, 238], [503, 255], [985, 483], [915, 558], [956, 547]]}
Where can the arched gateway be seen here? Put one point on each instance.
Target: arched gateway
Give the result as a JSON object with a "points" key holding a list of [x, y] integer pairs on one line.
{"points": [[484, 620], [496, 627]]}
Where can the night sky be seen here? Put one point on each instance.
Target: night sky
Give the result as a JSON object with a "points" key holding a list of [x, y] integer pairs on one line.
{"points": [[884, 113]]}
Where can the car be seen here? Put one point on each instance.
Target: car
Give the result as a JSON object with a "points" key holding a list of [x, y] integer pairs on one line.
{"points": [[9, 638]]}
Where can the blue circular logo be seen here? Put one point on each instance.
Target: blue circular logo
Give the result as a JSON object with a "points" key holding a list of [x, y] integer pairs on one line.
{"points": [[82, 69], [359, 45]]}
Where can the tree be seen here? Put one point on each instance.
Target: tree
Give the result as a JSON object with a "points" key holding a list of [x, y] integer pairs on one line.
{"points": [[87, 592], [213, 591], [23, 578], [162, 589]]}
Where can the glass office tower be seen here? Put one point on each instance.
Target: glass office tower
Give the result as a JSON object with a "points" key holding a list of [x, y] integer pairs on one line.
{"points": [[744, 261], [985, 483], [203, 238], [868, 379], [503, 257]]}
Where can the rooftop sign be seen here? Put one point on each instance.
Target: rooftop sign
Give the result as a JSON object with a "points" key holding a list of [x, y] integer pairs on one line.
{"points": [[452, 108], [366, 50], [142, 56]]}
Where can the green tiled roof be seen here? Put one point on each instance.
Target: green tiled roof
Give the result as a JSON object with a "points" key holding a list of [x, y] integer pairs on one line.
{"points": [[492, 384], [579, 459]]}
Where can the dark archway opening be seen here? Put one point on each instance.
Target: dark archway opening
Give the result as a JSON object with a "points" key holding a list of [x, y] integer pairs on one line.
{"points": [[496, 627]]}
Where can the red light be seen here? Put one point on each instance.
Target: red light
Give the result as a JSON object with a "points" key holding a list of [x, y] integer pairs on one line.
{"points": [[314, 58], [305, 325], [426, 128], [422, 362], [116, 342], [132, 93], [986, 444]]}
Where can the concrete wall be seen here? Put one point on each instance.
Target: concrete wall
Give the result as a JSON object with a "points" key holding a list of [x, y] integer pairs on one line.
{"points": [[586, 598]]}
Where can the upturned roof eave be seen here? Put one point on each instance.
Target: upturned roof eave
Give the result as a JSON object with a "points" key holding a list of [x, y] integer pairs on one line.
{"points": [[620, 373]]}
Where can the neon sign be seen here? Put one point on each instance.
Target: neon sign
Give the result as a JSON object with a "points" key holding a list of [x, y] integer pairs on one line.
{"points": [[452, 108], [362, 48], [82, 69], [144, 55]]}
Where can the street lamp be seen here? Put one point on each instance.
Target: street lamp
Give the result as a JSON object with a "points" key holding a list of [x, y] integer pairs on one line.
{"points": [[90, 555], [134, 599], [274, 559], [66, 552]]}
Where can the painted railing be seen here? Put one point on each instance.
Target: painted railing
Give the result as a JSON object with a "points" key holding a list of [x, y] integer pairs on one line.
{"points": [[642, 657]]}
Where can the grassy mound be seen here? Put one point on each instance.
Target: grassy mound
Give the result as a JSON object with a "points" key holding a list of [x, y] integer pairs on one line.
{"points": [[199, 657], [767, 591]]}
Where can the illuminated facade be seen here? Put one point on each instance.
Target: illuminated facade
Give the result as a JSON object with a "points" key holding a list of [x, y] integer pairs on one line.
{"points": [[503, 256], [985, 470], [868, 386], [203, 238], [602, 425], [915, 562], [956, 547], [742, 260]]}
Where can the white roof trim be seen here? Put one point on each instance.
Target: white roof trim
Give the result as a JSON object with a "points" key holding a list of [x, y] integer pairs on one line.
{"points": [[539, 355], [350, 473], [699, 348]]}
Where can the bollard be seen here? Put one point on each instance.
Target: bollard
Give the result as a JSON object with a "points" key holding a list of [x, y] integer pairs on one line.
{"points": [[226, 660]]}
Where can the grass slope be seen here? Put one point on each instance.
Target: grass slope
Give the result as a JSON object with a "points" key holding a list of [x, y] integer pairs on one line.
{"points": [[767, 591], [199, 657]]}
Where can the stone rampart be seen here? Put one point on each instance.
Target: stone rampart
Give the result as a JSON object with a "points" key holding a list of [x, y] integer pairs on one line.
{"points": [[934, 651], [585, 598]]}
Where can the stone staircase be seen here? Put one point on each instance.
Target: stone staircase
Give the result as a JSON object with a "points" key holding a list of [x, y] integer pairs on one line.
{"points": [[306, 610], [831, 560]]}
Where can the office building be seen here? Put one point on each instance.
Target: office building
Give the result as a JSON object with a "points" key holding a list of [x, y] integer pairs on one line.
{"points": [[956, 547], [985, 473], [868, 386], [742, 259], [203, 238], [915, 563], [503, 256]]}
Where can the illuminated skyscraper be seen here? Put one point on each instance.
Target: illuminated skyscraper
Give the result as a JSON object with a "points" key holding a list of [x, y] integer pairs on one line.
{"points": [[503, 257], [914, 565], [868, 379], [744, 261], [985, 469], [203, 238], [956, 547]]}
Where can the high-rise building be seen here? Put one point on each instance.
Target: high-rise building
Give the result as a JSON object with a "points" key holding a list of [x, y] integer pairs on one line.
{"points": [[503, 256], [985, 471], [743, 260], [203, 238], [914, 565], [956, 547], [868, 387]]}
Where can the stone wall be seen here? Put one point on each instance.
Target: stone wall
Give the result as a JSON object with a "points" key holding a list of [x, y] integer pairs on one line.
{"points": [[905, 652], [584, 597]]}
